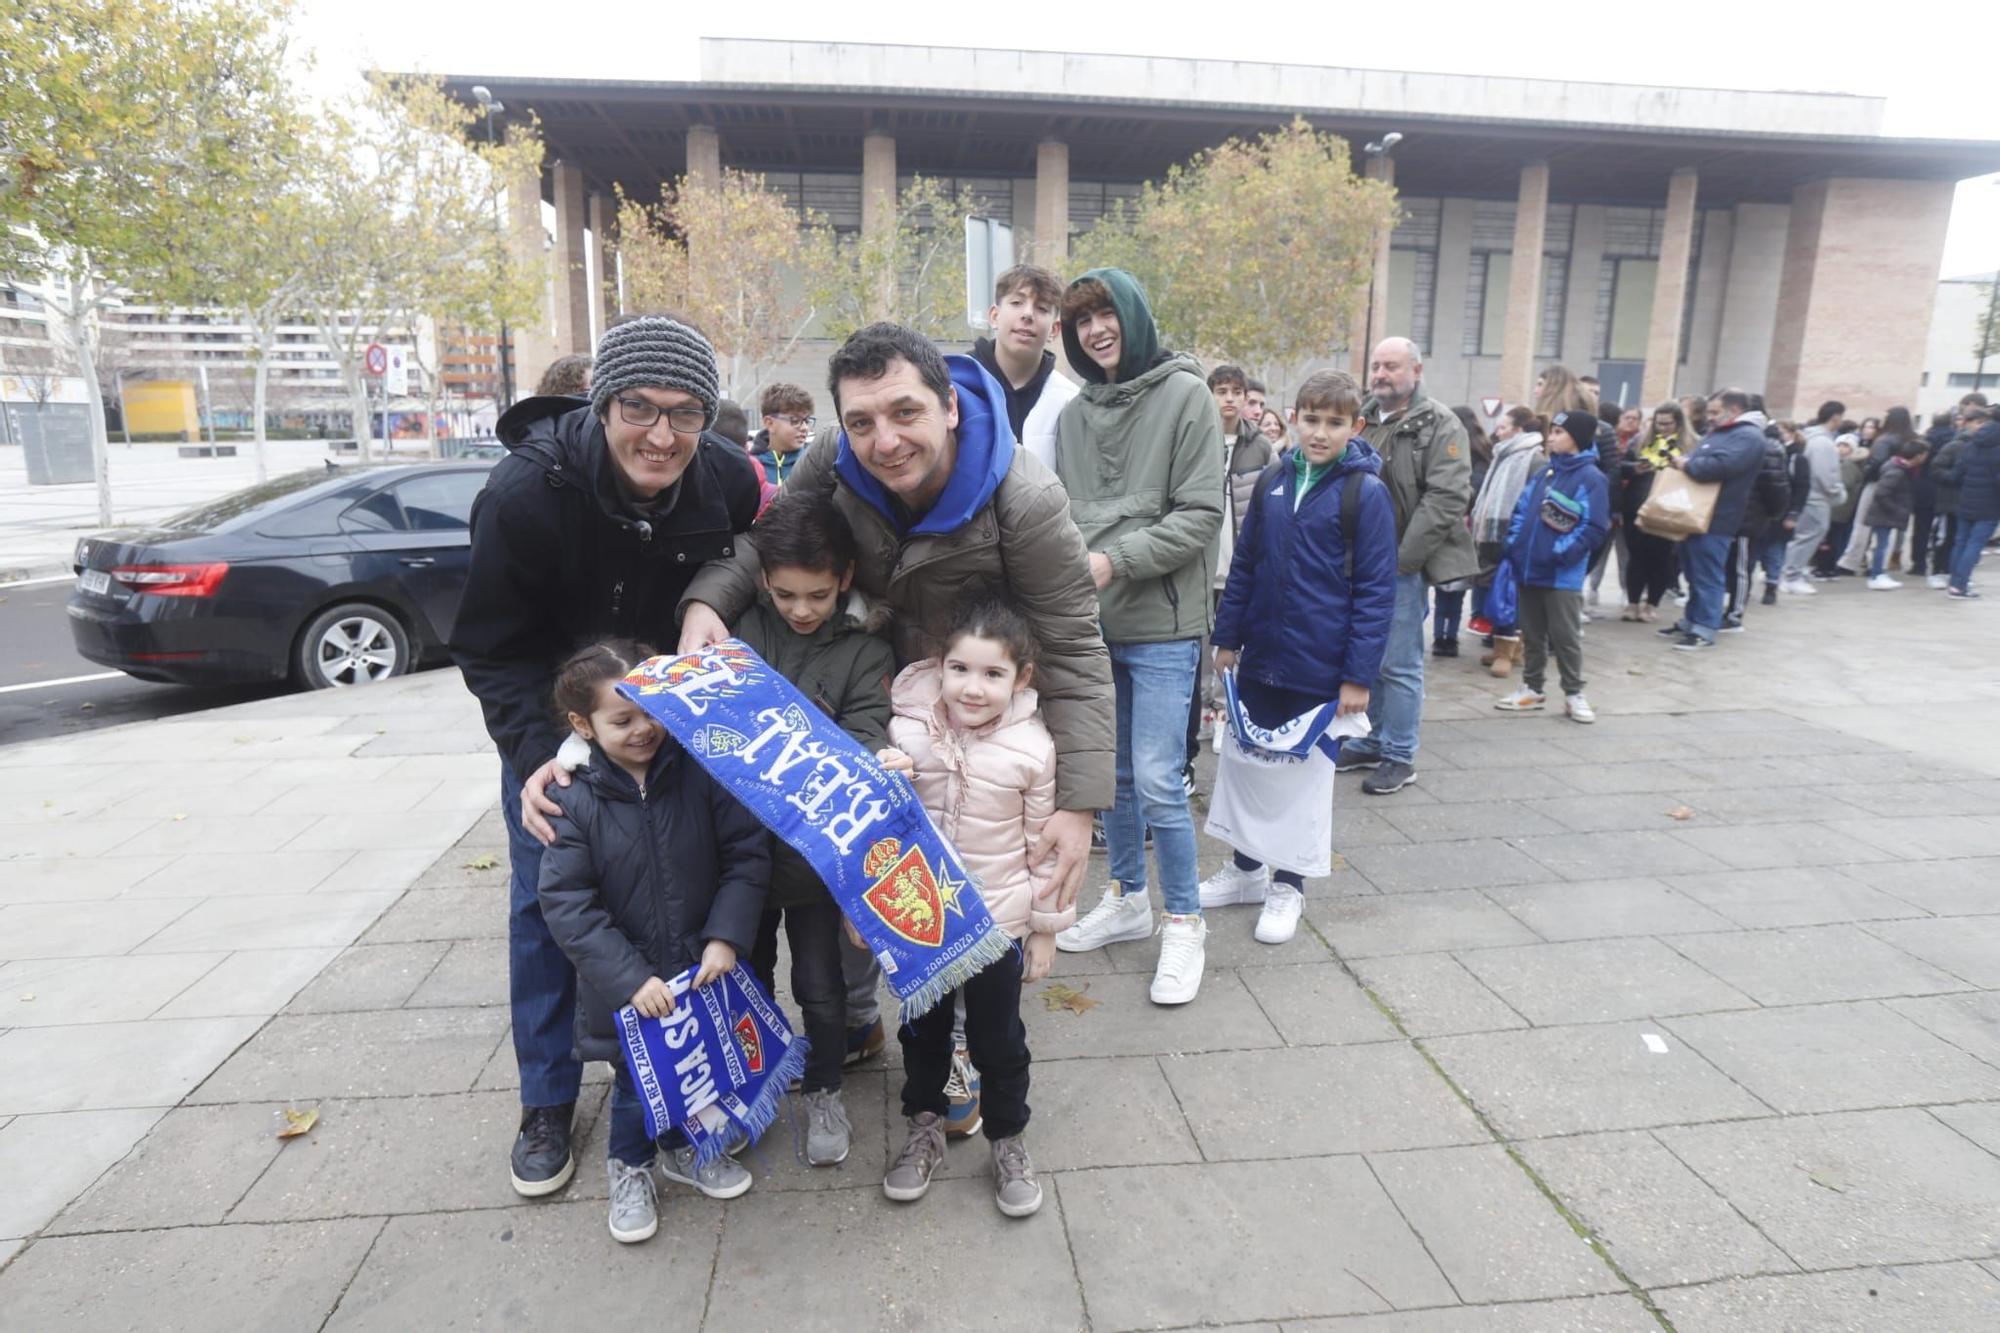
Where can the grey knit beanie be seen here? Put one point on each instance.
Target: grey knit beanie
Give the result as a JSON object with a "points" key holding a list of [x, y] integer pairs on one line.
{"points": [[653, 352]]}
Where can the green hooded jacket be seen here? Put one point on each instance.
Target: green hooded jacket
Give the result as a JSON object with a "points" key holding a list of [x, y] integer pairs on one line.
{"points": [[1145, 479]]}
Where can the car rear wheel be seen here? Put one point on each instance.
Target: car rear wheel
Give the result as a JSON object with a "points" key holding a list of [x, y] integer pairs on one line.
{"points": [[351, 644]]}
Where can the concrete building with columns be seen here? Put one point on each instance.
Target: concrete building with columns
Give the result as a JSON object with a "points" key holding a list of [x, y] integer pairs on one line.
{"points": [[1667, 240]]}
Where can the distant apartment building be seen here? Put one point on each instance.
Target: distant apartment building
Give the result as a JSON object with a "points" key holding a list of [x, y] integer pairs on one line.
{"points": [[1952, 367]]}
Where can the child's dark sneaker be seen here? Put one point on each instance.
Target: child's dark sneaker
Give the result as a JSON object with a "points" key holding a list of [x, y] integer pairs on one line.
{"points": [[635, 1212], [1015, 1188], [962, 1118], [542, 1161], [864, 1043], [923, 1152]]}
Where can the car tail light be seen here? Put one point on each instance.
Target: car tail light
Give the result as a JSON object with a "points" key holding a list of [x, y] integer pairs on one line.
{"points": [[173, 580]]}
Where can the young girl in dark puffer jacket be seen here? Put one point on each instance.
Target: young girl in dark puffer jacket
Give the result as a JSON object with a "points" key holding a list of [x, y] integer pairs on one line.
{"points": [[655, 869]]}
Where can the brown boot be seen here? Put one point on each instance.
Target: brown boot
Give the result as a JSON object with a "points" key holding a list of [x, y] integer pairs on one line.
{"points": [[1506, 652], [1486, 658]]}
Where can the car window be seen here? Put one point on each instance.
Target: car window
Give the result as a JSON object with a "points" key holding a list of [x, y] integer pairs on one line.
{"points": [[440, 501], [379, 512]]}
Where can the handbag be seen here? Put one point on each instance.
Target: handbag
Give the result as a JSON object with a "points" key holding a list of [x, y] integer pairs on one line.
{"points": [[1678, 506]]}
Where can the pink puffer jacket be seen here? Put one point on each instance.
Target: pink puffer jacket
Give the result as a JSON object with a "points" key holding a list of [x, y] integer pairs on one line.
{"points": [[989, 791]]}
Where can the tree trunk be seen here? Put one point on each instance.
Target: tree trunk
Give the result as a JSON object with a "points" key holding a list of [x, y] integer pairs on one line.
{"points": [[259, 386], [76, 321], [364, 428]]}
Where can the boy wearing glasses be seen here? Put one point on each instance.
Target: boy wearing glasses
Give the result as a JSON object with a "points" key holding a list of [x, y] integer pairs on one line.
{"points": [[788, 425], [590, 528]]}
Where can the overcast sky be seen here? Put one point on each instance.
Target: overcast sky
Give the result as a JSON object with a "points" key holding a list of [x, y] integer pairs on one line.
{"points": [[1689, 43]]}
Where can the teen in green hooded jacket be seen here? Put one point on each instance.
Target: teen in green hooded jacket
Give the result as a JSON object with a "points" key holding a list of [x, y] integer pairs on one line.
{"points": [[1136, 451]]}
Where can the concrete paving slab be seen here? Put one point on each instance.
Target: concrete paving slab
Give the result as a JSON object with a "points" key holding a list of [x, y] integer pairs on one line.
{"points": [[1453, 786], [1961, 887], [226, 874], [1979, 1121], [563, 1270], [1595, 981], [1662, 1223], [432, 831], [1837, 1057], [347, 797], [1357, 826], [1484, 1222], [167, 1281], [74, 880], [446, 914], [387, 1054], [1764, 846], [1317, 1004], [1472, 863], [1966, 947], [1468, 819], [152, 1186], [1432, 995], [47, 1160], [872, 1101], [1603, 812], [104, 1066], [393, 1155], [1126, 1022], [1601, 779], [1970, 1022], [271, 921], [257, 982], [1789, 896], [1918, 1298], [1814, 964], [49, 991], [472, 972], [1503, 752], [500, 1071], [370, 870], [370, 976], [1605, 909], [1624, 854], [1414, 923], [1387, 1095], [1099, 1113], [1930, 837], [62, 841], [202, 833], [83, 930], [1261, 1262], [1572, 1080], [1864, 1187], [1589, 1314], [1232, 943]]}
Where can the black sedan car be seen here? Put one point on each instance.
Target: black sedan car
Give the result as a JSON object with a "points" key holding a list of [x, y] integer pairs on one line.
{"points": [[330, 577]]}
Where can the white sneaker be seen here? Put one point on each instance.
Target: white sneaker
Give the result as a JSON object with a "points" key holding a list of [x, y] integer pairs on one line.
{"points": [[1280, 918], [1580, 709], [1799, 587], [1118, 916], [1522, 700], [1883, 583], [1229, 886], [1177, 978], [1939, 581]]}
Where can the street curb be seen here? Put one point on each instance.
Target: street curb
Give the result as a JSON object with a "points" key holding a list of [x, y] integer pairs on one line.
{"points": [[23, 573]]}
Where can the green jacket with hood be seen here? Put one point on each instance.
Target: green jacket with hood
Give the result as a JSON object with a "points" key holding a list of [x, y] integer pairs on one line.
{"points": [[1138, 457], [1428, 464]]}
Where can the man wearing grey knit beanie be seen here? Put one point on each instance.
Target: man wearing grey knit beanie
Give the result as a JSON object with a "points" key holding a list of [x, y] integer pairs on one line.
{"points": [[589, 529]]}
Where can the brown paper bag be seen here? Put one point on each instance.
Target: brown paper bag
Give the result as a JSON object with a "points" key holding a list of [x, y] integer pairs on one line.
{"points": [[1678, 506]]}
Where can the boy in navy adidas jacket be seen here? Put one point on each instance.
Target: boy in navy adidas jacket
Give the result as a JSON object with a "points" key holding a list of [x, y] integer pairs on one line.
{"points": [[1561, 519]]}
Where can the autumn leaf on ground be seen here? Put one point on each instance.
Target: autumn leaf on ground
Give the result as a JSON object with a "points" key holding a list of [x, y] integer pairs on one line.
{"points": [[483, 861], [1681, 812], [298, 1123], [1056, 996]]}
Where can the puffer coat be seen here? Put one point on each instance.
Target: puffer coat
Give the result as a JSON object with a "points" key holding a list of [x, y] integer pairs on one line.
{"points": [[989, 791]]}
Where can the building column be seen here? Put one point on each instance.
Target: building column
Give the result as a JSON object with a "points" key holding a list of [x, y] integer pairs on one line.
{"points": [[534, 339], [1365, 327], [878, 211], [1524, 287], [602, 220], [1663, 339], [1052, 205], [1856, 245], [572, 282], [704, 155]]}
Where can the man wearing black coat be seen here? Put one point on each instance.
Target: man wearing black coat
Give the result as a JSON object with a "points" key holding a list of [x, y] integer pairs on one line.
{"points": [[590, 528]]}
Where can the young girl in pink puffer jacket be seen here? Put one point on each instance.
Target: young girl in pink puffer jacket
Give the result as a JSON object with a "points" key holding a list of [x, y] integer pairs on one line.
{"points": [[967, 732]]}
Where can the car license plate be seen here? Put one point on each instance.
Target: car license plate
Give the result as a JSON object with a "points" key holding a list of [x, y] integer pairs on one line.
{"points": [[95, 581]]}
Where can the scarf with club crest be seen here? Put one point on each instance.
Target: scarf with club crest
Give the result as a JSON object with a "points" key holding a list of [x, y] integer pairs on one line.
{"points": [[862, 828]]}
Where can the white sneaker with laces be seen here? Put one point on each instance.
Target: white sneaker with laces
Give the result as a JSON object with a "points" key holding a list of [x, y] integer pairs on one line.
{"points": [[1522, 700], [1883, 583], [1939, 581], [1118, 916], [635, 1213], [1580, 709], [1230, 886], [1800, 587], [1183, 941], [1279, 920]]}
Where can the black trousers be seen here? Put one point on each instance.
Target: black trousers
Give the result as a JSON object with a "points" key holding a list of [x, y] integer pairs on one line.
{"points": [[995, 1038], [1923, 525], [819, 990], [1649, 566]]}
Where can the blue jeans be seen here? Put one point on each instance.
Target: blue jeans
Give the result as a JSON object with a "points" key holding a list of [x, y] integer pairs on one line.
{"points": [[1973, 534], [627, 1140], [541, 982], [1879, 538], [1153, 683], [1702, 559], [1396, 707]]}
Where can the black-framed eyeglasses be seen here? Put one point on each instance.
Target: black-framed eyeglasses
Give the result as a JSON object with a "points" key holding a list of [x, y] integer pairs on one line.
{"points": [[686, 420], [800, 423]]}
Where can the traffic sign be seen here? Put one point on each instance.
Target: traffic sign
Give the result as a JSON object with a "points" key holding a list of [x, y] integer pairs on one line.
{"points": [[376, 359], [1491, 406]]}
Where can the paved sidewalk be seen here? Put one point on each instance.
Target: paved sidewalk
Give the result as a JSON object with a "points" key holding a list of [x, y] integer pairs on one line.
{"points": [[1687, 1019]]}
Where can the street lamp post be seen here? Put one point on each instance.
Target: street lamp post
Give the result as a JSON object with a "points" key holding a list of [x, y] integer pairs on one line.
{"points": [[1377, 151], [490, 107]]}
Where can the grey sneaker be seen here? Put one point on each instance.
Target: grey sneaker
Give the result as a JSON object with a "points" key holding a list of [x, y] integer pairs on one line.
{"points": [[1015, 1189], [1390, 776], [723, 1178], [634, 1215], [827, 1130], [923, 1153]]}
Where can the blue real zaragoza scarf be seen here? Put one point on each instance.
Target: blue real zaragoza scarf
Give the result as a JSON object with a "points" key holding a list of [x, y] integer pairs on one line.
{"points": [[723, 1057], [862, 828]]}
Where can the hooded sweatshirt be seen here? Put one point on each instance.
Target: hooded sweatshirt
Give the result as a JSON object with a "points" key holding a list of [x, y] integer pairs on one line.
{"points": [[1138, 457], [1033, 408]]}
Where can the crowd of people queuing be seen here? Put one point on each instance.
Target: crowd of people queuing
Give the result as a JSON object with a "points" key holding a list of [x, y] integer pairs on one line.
{"points": [[1038, 598]]}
